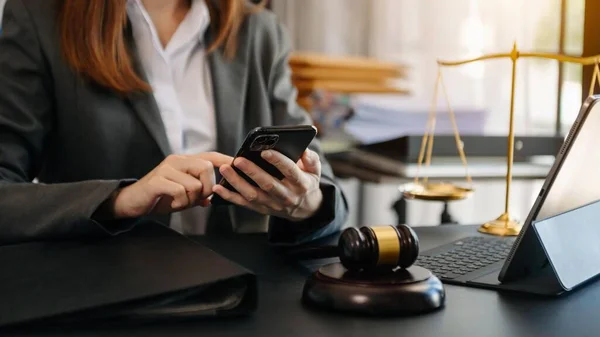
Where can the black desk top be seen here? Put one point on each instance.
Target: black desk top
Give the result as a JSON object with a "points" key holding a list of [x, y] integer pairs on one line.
{"points": [[468, 311]]}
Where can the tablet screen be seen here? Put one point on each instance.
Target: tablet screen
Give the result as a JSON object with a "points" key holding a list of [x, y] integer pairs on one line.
{"points": [[577, 181]]}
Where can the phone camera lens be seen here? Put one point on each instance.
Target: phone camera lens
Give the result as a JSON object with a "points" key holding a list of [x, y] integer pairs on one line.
{"points": [[264, 142], [272, 141]]}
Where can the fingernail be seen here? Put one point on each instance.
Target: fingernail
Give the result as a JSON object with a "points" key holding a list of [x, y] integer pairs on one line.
{"points": [[267, 154]]}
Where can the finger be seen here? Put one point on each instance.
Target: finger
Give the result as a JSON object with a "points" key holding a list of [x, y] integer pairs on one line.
{"points": [[207, 177], [272, 186], [237, 199], [192, 185], [311, 162], [201, 169], [249, 192], [231, 196], [286, 166], [301, 165], [161, 186], [216, 158]]}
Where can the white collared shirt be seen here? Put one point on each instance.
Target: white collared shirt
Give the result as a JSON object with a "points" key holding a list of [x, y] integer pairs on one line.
{"points": [[180, 79]]}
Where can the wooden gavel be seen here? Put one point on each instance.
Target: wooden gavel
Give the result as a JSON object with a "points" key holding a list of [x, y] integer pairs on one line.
{"points": [[378, 248]]}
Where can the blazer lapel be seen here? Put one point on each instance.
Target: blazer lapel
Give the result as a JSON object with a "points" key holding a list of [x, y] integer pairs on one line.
{"points": [[229, 79], [147, 111], [144, 103]]}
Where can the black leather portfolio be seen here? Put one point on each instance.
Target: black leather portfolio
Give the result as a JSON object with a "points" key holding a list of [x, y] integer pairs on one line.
{"points": [[149, 273]]}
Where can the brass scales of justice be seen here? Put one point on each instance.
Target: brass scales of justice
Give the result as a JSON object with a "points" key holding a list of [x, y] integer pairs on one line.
{"points": [[423, 189]]}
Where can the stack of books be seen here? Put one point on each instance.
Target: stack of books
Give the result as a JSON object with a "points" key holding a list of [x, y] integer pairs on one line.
{"points": [[313, 73]]}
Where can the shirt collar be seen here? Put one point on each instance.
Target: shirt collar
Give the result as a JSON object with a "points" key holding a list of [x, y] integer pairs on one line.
{"points": [[198, 16]]}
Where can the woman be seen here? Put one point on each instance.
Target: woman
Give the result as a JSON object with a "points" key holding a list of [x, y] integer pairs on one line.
{"points": [[123, 109]]}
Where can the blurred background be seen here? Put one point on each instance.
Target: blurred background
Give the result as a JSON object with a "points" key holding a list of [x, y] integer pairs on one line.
{"points": [[417, 32], [366, 70], [413, 34]]}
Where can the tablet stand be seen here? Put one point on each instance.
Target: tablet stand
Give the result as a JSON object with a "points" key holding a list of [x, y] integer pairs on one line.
{"points": [[570, 241]]}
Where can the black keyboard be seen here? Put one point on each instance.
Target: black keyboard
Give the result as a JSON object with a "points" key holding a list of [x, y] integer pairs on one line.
{"points": [[465, 256]]}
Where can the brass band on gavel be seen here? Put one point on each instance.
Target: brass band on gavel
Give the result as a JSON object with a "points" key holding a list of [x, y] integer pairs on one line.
{"points": [[378, 247]]}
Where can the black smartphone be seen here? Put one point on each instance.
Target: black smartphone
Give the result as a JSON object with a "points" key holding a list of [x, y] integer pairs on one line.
{"points": [[291, 141]]}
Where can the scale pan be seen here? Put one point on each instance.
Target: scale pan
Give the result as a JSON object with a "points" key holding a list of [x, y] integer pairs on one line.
{"points": [[435, 192]]}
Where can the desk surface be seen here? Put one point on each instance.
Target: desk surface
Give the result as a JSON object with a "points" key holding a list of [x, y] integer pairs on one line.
{"points": [[468, 311]]}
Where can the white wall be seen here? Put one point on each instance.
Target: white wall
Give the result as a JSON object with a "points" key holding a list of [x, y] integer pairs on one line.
{"points": [[337, 27], [418, 32]]}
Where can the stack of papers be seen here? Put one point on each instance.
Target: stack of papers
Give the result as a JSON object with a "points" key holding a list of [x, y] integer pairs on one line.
{"points": [[380, 118]]}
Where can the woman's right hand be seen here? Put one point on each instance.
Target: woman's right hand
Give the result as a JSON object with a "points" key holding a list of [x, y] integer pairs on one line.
{"points": [[179, 182]]}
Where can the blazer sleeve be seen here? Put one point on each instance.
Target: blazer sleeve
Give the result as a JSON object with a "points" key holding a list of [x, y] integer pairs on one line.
{"points": [[334, 211], [28, 210]]}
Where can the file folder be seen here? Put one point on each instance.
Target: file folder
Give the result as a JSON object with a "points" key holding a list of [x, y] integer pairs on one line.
{"points": [[150, 272]]}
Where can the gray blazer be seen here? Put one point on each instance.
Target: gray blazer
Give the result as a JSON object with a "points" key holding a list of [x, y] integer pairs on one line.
{"points": [[81, 141]]}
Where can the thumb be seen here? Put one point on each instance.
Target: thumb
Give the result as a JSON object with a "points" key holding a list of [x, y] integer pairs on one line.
{"points": [[216, 158], [311, 162]]}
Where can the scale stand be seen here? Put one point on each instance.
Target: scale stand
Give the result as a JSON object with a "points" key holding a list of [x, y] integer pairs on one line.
{"points": [[399, 207], [446, 217]]}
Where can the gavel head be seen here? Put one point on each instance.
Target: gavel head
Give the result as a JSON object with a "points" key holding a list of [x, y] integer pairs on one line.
{"points": [[378, 248]]}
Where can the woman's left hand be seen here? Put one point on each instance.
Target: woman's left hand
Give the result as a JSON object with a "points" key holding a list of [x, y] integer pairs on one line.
{"points": [[297, 197]]}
